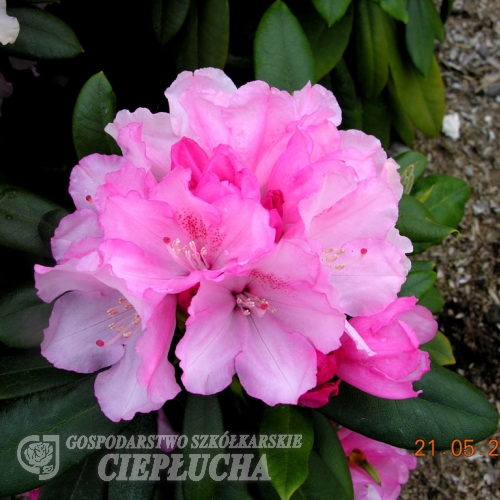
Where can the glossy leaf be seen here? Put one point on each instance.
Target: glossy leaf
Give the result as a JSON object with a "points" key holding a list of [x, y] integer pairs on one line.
{"points": [[23, 317], [372, 53], [22, 219], [446, 202], [25, 372], [136, 489], [420, 35], [422, 98], [396, 8], [167, 17], [232, 490], [205, 37], [283, 57], [416, 222], [377, 119], [42, 36], [287, 466], [439, 349], [417, 284], [399, 118], [65, 411], [329, 475], [449, 408], [344, 90], [331, 11], [433, 300], [203, 415], [94, 109], [422, 265], [80, 482], [327, 43]]}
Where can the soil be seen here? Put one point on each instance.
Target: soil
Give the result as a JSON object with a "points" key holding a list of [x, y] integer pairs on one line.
{"points": [[468, 269]]}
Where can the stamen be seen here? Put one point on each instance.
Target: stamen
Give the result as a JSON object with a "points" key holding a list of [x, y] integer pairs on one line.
{"points": [[330, 259], [89, 198], [248, 302], [187, 255], [127, 323]]}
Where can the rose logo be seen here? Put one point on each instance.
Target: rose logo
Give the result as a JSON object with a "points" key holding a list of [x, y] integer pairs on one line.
{"points": [[39, 454]]}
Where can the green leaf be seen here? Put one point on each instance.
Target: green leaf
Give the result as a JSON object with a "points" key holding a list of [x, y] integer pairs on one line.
{"points": [[439, 349], [95, 107], [344, 90], [232, 490], [167, 17], [331, 11], [329, 475], [396, 8], [433, 300], [411, 160], [417, 284], [65, 411], [449, 408], [437, 24], [80, 482], [26, 372], [203, 415], [420, 35], [447, 199], [372, 54], [400, 120], [422, 265], [42, 36], [135, 489], [283, 57], [23, 317], [49, 223], [422, 98], [376, 119], [206, 36], [327, 44], [416, 222], [287, 466], [22, 220]]}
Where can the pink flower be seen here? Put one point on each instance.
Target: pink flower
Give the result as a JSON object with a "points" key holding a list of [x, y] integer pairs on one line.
{"points": [[395, 361], [96, 321], [325, 386], [264, 325], [252, 211], [377, 469], [32, 495]]}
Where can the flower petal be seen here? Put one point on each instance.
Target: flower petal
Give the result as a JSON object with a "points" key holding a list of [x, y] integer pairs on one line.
{"points": [[77, 322]]}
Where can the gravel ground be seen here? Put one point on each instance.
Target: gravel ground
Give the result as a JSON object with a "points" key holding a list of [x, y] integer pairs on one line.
{"points": [[468, 269]]}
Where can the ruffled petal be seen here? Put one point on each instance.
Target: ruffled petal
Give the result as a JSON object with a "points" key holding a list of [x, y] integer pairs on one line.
{"points": [[156, 134], [72, 229]]}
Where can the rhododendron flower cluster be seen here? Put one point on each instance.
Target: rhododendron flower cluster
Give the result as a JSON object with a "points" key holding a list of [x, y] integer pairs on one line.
{"points": [[377, 469], [276, 231]]}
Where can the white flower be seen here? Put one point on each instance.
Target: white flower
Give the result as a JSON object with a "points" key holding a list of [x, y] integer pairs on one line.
{"points": [[9, 26]]}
